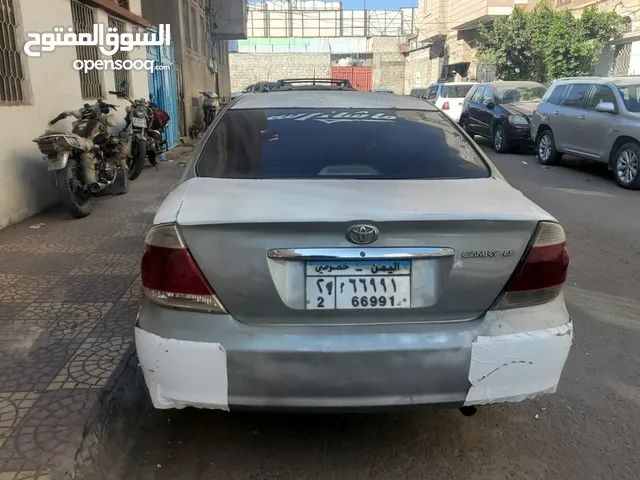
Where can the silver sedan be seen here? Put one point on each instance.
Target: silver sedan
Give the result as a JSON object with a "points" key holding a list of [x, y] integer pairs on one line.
{"points": [[337, 250]]}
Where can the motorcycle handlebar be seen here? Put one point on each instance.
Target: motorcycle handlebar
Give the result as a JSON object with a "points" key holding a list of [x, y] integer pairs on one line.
{"points": [[58, 118], [120, 95]]}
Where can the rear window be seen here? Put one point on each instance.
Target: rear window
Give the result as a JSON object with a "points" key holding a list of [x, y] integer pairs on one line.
{"points": [[455, 91], [334, 143]]}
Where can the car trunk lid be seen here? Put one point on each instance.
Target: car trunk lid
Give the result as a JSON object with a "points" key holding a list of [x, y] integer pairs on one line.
{"points": [[449, 246]]}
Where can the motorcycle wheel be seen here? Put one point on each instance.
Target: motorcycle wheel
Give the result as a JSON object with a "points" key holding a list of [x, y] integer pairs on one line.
{"points": [[138, 156], [78, 201]]}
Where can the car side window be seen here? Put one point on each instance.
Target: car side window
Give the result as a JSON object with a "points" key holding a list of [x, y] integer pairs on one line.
{"points": [[556, 95], [575, 96], [478, 95], [601, 93], [487, 96], [432, 93]]}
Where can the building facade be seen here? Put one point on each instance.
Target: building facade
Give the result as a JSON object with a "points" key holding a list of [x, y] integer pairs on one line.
{"points": [[623, 55], [300, 38], [33, 90], [445, 44], [201, 30]]}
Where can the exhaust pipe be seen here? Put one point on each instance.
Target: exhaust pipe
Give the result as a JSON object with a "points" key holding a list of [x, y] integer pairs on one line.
{"points": [[468, 411], [98, 187]]}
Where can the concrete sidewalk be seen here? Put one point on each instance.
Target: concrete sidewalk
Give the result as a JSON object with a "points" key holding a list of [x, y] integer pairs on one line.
{"points": [[69, 293]]}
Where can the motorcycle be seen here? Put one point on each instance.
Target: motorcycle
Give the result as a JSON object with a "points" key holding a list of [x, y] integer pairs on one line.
{"points": [[145, 122], [210, 107], [87, 161]]}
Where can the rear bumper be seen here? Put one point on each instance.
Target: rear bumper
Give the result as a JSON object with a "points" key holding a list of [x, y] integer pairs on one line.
{"points": [[212, 361], [453, 115]]}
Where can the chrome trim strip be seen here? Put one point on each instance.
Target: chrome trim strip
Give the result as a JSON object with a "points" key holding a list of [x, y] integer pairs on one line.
{"points": [[412, 253]]}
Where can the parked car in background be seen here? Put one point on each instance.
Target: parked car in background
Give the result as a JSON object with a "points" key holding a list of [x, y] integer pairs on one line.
{"points": [[296, 297], [382, 90], [449, 97], [260, 87], [593, 118], [418, 92], [501, 111]]}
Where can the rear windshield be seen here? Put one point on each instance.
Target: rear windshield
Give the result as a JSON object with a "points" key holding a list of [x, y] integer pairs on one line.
{"points": [[330, 143], [456, 91]]}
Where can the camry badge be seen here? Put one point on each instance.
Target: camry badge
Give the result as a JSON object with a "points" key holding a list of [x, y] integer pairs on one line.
{"points": [[488, 254]]}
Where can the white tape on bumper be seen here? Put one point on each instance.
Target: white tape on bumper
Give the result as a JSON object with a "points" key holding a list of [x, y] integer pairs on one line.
{"points": [[512, 368], [180, 373]]}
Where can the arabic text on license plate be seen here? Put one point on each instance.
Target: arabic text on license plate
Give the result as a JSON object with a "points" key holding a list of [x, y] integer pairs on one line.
{"points": [[357, 285], [139, 122]]}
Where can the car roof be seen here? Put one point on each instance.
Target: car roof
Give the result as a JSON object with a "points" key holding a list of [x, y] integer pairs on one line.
{"points": [[329, 99], [513, 83], [456, 83], [620, 81]]}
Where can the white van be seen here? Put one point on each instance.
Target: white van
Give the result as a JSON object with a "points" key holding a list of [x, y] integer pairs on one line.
{"points": [[449, 97]]}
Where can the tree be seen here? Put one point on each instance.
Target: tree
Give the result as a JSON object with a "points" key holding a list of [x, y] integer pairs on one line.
{"points": [[545, 44]]}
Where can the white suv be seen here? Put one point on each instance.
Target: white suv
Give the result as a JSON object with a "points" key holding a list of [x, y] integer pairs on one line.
{"points": [[449, 97]]}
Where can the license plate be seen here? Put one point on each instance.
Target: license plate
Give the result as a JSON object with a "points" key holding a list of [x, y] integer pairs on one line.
{"points": [[358, 285], [139, 122]]}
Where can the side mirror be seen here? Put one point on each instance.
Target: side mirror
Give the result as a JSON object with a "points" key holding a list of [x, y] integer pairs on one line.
{"points": [[491, 105], [606, 107]]}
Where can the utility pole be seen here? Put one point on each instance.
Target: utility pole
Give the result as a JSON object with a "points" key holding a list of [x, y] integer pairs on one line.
{"points": [[366, 29]]}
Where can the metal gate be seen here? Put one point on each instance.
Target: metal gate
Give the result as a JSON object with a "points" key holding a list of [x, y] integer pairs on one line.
{"points": [[621, 60], [162, 85], [485, 73], [180, 99], [361, 78]]}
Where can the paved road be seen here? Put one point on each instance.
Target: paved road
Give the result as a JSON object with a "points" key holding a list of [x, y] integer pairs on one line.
{"points": [[589, 430]]}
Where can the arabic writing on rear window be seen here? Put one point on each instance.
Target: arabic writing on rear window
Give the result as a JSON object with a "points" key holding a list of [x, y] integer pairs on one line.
{"points": [[338, 143]]}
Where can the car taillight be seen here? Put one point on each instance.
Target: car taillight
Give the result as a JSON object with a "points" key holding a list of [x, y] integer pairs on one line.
{"points": [[542, 272], [445, 106], [170, 275]]}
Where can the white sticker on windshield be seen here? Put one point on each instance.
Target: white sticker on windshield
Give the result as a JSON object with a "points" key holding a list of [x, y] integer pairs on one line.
{"points": [[338, 117]]}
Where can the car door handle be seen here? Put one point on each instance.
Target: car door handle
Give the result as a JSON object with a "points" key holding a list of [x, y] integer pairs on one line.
{"points": [[582, 117], [555, 114]]}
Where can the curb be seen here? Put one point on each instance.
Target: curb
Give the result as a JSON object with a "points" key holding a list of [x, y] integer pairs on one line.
{"points": [[107, 432]]}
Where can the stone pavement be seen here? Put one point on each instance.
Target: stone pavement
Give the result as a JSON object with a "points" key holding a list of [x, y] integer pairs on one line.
{"points": [[69, 293]]}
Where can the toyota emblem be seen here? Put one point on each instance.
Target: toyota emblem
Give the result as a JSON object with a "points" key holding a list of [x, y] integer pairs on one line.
{"points": [[362, 234]]}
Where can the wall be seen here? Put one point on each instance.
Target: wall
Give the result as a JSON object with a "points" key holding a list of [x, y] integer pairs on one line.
{"points": [[388, 64], [634, 63], [199, 75], [389, 71], [420, 70], [302, 45], [26, 187], [248, 68]]}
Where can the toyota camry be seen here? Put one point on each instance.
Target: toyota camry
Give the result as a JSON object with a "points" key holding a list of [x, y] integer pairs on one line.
{"points": [[333, 249]]}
